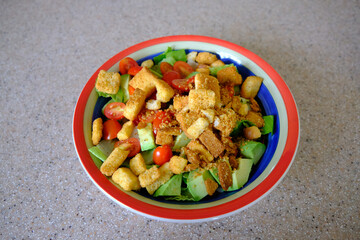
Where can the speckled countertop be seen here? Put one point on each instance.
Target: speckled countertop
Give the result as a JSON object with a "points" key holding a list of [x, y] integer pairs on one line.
{"points": [[49, 49]]}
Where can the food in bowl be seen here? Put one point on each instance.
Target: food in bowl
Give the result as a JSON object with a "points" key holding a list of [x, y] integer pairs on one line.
{"points": [[187, 125]]}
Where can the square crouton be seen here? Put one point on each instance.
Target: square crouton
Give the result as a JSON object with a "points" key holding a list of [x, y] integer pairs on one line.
{"points": [[126, 179], [113, 162], [211, 186], [197, 127], [239, 107], [165, 175], [209, 114], [201, 99], [180, 102], [212, 143], [229, 75], [174, 131], [177, 164], [163, 91], [217, 63], [206, 58], [196, 146], [137, 164], [186, 120], [145, 80], [226, 121], [162, 138], [204, 69], [255, 118], [126, 130], [97, 128], [251, 86], [203, 81], [134, 105], [153, 104], [108, 82], [149, 176]]}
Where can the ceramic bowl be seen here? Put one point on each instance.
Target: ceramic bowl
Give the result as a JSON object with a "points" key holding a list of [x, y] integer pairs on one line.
{"points": [[275, 97]]}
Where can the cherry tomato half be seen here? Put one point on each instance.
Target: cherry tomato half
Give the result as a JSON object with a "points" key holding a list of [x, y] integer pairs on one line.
{"points": [[162, 154], [114, 110], [181, 84], [160, 118], [131, 90], [133, 145], [127, 63], [165, 67], [134, 70], [171, 75], [111, 128], [145, 116], [183, 68]]}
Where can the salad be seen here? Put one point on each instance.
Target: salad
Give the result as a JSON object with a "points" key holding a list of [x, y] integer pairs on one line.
{"points": [[181, 126]]}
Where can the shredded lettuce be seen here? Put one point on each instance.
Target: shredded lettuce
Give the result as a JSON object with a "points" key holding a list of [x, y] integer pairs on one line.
{"points": [[269, 125], [240, 125], [171, 56]]}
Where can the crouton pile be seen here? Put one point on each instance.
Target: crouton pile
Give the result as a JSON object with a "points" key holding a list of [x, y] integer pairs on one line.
{"points": [[206, 114]]}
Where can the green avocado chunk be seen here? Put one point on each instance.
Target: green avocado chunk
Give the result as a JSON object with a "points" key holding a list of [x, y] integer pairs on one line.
{"points": [[196, 183], [241, 175], [146, 136], [181, 141], [171, 187], [253, 150], [124, 86]]}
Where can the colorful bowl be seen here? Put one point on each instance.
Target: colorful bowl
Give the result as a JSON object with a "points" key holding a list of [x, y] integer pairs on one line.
{"points": [[274, 96]]}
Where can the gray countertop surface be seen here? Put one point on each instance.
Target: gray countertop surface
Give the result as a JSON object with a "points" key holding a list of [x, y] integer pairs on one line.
{"points": [[48, 51]]}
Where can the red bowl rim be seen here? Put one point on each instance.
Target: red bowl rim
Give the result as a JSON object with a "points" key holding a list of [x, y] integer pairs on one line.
{"points": [[208, 213]]}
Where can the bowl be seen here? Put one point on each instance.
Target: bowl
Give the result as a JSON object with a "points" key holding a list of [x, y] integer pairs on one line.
{"points": [[274, 96]]}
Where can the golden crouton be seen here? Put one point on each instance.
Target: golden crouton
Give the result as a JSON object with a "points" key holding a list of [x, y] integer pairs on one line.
{"points": [[134, 105], [211, 186], [212, 143], [205, 58], [97, 128], [254, 105], [145, 80], [108, 82], [226, 121], [137, 164], [186, 120], [203, 81], [114, 160], [217, 63], [163, 91], [149, 176], [197, 127], [204, 69], [180, 102], [165, 175], [201, 99], [255, 118], [126, 130], [229, 74], [177, 164], [192, 156], [226, 94], [126, 179], [174, 131], [239, 107], [152, 104], [148, 63], [162, 138], [250, 87], [209, 114], [196, 146], [225, 174]]}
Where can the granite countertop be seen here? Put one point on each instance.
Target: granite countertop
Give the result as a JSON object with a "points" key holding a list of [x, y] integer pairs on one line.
{"points": [[48, 51]]}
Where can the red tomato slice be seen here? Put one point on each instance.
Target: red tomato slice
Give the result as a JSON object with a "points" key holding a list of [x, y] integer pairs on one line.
{"points": [[133, 145], [183, 68], [160, 118], [191, 80], [171, 75], [111, 128], [134, 70], [162, 154], [131, 90], [181, 85], [145, 116], [114, 110], [127, 63], [165, 67]]}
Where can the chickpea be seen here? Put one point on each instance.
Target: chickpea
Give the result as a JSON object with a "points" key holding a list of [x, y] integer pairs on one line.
{"points": [[252, 132]]}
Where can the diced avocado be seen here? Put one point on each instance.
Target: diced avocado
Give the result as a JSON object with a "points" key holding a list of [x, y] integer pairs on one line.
{"points": [[214, 172], [241, 175], [146, 136], [196, 183], [181, 141], [253, 150], [124, 86], [171, 187], [148, 156]]}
